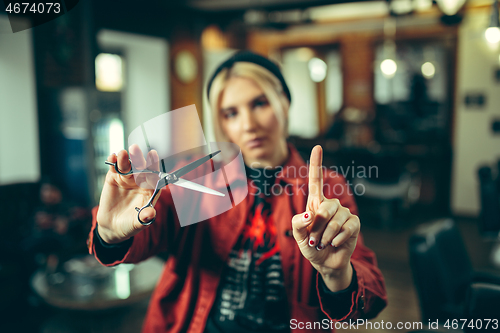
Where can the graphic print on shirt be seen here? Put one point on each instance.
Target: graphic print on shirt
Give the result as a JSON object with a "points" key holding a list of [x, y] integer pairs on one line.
{"points": [[252, 291]]}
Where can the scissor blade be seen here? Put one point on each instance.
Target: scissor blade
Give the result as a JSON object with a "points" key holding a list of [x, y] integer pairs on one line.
{"points": [[193, 165], [196, 187]]}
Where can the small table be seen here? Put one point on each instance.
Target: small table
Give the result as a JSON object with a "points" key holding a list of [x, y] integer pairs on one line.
{"points": [[86, 285]]}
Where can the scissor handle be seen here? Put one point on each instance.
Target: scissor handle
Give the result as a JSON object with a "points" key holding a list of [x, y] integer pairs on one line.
{"points": [[115, 165], [139, 210], [159, 185]]}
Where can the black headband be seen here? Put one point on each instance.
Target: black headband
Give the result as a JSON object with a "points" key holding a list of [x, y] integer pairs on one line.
{"points": [[247, 56]]}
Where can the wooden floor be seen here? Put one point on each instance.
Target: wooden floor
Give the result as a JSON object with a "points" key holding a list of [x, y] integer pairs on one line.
{"points": [[391, 248], [392, 255]]}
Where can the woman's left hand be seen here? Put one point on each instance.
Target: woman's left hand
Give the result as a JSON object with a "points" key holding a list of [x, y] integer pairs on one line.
{"points": [[326, 232]]}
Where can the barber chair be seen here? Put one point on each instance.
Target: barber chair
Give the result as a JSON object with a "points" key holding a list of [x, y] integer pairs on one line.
{"points": [[17, 202], [392, 192], [446, 283], [480, 298], [489, 223]]}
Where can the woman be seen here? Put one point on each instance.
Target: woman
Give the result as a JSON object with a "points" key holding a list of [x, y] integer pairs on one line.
{"points": [[277, 262]]}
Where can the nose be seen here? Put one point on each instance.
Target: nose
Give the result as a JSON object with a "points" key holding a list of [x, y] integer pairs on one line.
{"points": [[249, 121]]}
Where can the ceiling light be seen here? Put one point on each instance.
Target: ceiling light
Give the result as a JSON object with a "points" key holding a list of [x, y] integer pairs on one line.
{"points": [[317, 69], [401, 7], [492, 33], [422, 5], [428, 70], [450, 7], [388, 68]]}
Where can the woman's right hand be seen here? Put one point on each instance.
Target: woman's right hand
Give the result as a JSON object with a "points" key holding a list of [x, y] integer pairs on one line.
{"points": [[117, 217]]}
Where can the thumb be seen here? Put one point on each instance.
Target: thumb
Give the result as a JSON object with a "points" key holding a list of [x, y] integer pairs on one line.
{"points": [[300, 222], [146, 215]]}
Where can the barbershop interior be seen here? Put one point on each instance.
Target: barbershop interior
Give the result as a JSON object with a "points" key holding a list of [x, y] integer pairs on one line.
{"points": [[402, 95]]}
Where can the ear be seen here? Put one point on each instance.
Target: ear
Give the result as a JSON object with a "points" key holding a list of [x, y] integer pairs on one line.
{"points": [[286, 107], [286, 103]]}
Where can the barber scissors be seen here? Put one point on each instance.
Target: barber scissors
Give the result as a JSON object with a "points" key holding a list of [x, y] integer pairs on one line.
{"points": [[165, 179]]}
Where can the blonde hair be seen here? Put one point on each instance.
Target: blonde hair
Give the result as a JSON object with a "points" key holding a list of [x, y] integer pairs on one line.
{"points": [[266, 81]]}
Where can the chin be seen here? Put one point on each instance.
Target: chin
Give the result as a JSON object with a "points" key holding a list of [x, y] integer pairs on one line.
{"points": [[256, 154]]}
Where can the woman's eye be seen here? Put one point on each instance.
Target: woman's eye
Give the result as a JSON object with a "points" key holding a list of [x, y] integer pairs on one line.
{"points": [[229, 114], [261, 103]]}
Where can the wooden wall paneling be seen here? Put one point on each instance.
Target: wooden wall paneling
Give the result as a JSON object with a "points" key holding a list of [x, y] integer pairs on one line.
{"points": [[357, 66], [184, 94]]}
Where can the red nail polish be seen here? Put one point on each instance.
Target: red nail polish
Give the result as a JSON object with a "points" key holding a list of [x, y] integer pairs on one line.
{"points": [[311, 242], [306, 215]]}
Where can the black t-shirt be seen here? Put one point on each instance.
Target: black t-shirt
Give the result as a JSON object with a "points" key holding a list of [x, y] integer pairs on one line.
{"points": [[251, 296]]}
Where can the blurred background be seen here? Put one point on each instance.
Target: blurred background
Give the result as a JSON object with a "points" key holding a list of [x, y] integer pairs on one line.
{"points": [[403, 95]]}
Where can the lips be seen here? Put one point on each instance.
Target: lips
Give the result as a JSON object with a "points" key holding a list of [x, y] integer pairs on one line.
{"points": [[257, 142]]}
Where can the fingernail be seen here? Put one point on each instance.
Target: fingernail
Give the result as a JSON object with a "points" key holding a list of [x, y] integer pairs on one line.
{"points": [[307, 217], [320, 247], [312, 241], [331, 244]]}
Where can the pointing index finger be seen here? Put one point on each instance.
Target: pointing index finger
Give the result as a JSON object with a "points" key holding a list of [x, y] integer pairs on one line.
{"points": [[315, 178]]}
